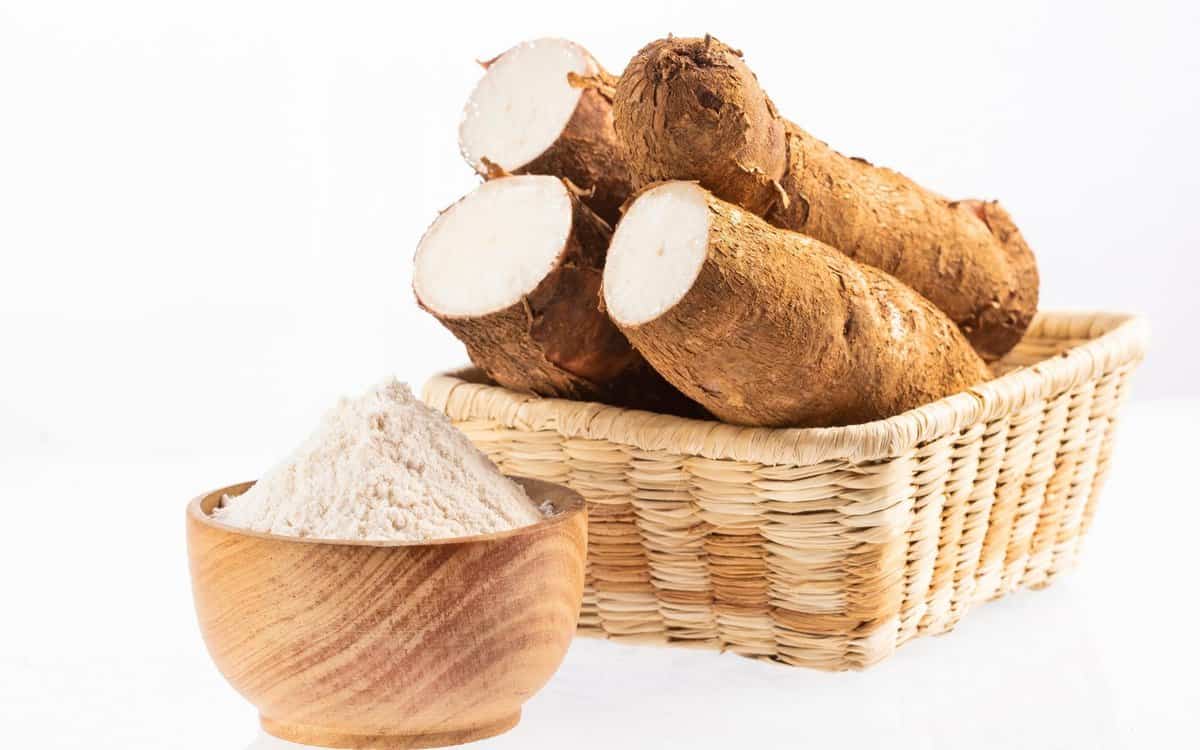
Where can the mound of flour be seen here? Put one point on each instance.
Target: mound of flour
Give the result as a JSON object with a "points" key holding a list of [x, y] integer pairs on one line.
{"points": [[383, 467]]}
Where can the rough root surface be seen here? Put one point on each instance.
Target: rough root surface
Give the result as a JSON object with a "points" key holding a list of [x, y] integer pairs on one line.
{"points": [[587, 154], [781, 330], [691, 109]]}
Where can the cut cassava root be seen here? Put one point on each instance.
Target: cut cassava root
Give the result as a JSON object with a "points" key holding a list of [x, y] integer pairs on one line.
{"points": [[545, 107], [768, 327], [690, 109], [513, 270]]}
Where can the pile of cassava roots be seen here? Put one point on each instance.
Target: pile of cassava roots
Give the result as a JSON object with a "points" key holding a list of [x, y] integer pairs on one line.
{"points": [[667, 241]]}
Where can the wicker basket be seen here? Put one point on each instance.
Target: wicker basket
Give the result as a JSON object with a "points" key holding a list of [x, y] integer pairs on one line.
{"points": [[826, 548]]}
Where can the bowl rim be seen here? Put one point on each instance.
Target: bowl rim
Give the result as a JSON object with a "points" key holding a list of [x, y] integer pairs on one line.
{"points": [[571, 505]]}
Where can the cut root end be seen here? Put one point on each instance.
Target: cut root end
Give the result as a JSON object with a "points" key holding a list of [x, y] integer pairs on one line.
{"points": [[487, 251], [656, 252], [523, 103]]}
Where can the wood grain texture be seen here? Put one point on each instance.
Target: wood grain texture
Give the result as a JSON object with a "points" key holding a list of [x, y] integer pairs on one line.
{"points": [[379, 645]]}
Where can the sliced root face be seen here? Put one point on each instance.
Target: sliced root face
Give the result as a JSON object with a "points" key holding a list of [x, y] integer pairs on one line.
{"points": [[489, 250], [656, 252], [522, 104]]}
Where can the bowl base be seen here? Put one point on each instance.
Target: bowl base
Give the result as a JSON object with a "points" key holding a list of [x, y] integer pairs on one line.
{"points": [[307, 734]]}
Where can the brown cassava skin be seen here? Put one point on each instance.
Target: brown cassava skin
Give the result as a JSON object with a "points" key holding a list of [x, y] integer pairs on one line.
{"points": [[690, 109], [780, 330], [586, 153], [557, 342]]}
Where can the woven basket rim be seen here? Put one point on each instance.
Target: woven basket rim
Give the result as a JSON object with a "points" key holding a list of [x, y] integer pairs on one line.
{"points": [[1112, 339]]}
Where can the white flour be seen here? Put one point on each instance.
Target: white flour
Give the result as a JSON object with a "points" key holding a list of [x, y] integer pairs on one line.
{"points": [[383, 467]]}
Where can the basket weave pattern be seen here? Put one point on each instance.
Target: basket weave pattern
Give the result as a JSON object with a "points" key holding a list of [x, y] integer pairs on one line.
{"points": [[826, 548]]}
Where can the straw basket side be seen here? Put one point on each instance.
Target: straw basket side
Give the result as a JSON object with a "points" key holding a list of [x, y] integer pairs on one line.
{"points": [[826, 548]]}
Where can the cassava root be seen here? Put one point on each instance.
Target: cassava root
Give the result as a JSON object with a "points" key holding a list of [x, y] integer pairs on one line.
{"points": [[545, 107], [690, 109], [768, 327]]}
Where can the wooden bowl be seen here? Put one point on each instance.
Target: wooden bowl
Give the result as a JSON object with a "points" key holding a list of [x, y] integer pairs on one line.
{"points": [[389, 645]]}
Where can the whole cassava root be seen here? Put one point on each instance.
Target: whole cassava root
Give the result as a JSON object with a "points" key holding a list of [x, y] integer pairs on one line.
{"points": [[767, 327], [545, 107], [513, 270], [690, 109]]}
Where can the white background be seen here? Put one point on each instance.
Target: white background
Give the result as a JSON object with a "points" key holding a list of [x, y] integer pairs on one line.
{"points": [[207, 215]]}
